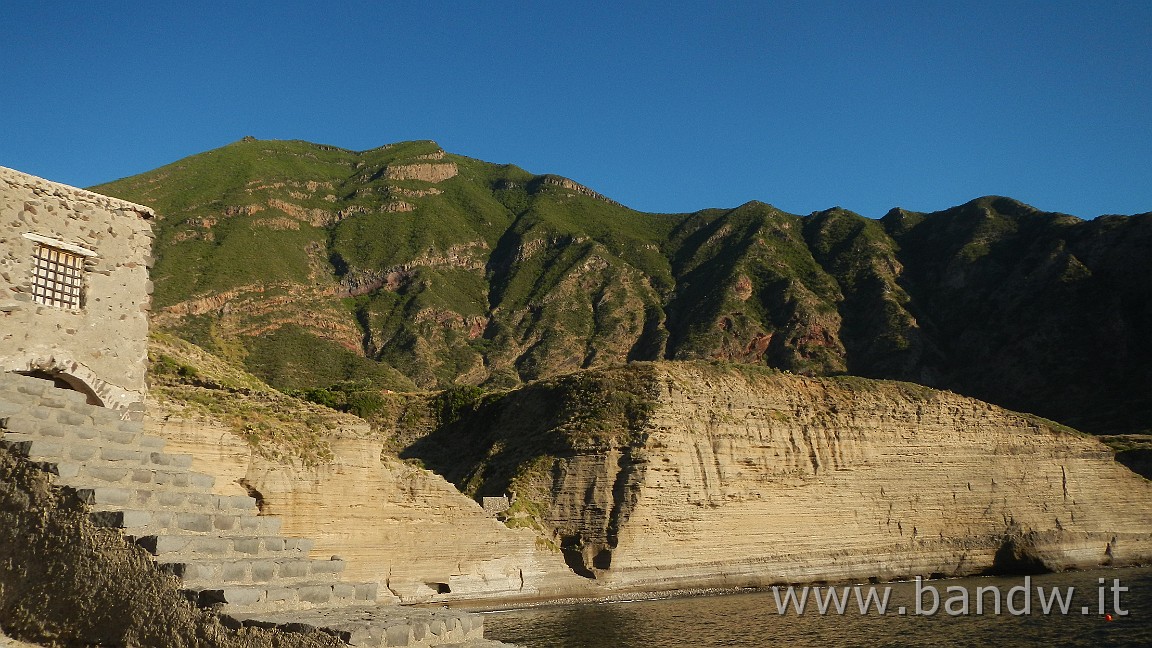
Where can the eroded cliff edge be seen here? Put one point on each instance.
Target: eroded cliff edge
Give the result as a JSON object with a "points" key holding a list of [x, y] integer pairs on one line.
{"points": [[665, 475]]}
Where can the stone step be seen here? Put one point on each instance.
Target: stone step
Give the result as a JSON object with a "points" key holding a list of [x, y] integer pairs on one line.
{"points": [[270, 598], [107, 498], [227, 556], [71, 426], [55, 450], [32, 391], [187, 547], [82, 475], [138, 523], [377, 625], [12, 407], [281, 571]]}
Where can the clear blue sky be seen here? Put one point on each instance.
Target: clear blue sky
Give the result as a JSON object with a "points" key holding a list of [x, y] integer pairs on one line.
{"points": [[664, 106]]}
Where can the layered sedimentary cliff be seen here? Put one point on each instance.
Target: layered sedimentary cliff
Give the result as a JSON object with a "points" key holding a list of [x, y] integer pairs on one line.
{"points": [[394, 523], [656, 476], [721, 476]]}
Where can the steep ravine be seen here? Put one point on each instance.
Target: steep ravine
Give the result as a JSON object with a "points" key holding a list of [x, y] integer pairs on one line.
{"points": [[413, 268]]}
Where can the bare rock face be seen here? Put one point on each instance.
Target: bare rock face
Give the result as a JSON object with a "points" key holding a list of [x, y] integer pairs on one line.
{"points": [[393, 523], [737, 477], [744, 482], [426, 171], [658, 476]]}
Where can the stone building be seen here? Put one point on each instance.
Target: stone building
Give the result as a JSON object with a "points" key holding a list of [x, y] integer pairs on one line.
{"points": [[74, 289]]}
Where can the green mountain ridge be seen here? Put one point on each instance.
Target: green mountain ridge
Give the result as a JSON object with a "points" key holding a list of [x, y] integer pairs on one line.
{"points": [[409, 267]]}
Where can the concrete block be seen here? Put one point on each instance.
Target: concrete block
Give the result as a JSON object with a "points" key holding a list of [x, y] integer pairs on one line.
{"points": [[32, 387], [302, 545], [104, 417], [343, 592], [316, 594], [264, 570], [83, 452], [233, 596], [225, 522], [53, 431], [235, 572], [247, 545], [194, 571], [397, 635], [143, 476], [121, 519], [42, 413], [203, 501], [198, 522], [65, 469], [327, 566], [171, 498], [263, 525], [164, 544], [150, 442], [200, 480], [281, 594], [210, 545], [72, 418], [86, 433], [54, 401], [106, 496], [244, 595], [164, 519], [116, 436], [366, 591], [293, 569], [111, 473], [112, 453], [236, 502], [21, 424]]}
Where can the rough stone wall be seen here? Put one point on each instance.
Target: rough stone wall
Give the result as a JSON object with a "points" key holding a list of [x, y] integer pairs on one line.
{"points": [[103, 344]]}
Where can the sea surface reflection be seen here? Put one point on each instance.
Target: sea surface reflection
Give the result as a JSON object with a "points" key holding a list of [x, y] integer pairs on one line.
{"points": [[750, 619]]}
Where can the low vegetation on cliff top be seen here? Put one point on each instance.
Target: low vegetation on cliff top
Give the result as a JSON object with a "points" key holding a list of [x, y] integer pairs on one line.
{"points": [[187, 382]]}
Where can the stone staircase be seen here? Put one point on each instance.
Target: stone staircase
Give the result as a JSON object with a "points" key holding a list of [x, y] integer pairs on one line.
{"points": [[227, 556]]}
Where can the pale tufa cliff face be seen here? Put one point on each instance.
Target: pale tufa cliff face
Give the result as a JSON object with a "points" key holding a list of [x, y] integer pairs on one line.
{"points": [[736, 477], [753, 481], [394, 523]]}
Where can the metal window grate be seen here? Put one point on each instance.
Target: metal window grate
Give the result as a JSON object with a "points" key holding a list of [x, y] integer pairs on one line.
{"points": [[58, 278]]}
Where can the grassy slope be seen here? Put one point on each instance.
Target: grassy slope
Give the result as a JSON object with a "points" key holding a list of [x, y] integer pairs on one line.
{"points": [[187, 381], [496, 276]]}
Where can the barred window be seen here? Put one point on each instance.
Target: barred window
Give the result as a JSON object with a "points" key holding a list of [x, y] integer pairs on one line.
{"points": [[58, 277]]}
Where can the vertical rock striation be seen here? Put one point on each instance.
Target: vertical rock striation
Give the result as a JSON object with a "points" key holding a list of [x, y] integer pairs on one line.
{"points": [[748, 482], [741, 477]]}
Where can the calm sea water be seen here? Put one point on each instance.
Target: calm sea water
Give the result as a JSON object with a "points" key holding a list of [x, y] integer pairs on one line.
{"points": [[751, 619]]}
